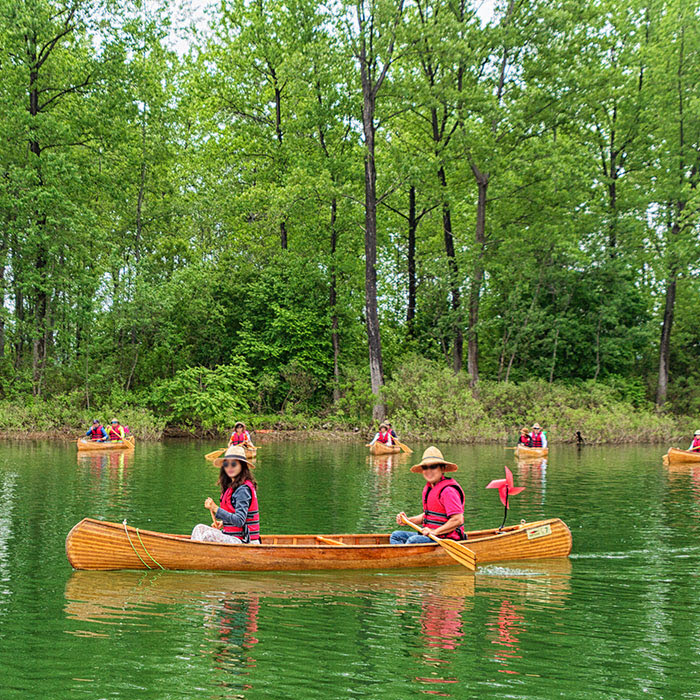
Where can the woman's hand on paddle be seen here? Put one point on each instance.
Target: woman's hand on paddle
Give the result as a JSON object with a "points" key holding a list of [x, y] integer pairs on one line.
{"points": [[400, 517], [209, 504], [426, 532]]}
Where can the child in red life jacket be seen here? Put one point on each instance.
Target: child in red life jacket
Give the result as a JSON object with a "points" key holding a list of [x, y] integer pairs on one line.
{"points": [[524, 438], [538, 438], [383, 436], [695, 445], [97, 432], [240, 436], [443, 503]]}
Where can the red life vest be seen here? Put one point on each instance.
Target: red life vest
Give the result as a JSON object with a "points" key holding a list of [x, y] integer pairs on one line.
{"points": [[536, 439], [252, 521], [386, 438], [434, 515], [113, 433], [239, 438], [96, 433], [696, 444]]}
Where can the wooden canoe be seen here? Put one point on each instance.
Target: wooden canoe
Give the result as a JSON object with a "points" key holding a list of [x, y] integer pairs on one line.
{"points": [[250, 453], [522, 452], [85, 445], [100, 545], [381, 449], [676, 456]]}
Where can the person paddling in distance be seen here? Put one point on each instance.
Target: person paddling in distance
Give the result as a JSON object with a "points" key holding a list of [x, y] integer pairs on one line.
{"points": [[97, 433], [524, 438], [695, 445], [538, 438], [115, 431], [236, 518], [392, 432], [383, 436], [240, 436], [443, 503]]}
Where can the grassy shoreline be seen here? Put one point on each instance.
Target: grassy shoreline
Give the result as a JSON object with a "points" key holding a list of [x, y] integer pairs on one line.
{"points": [[426, 403]]}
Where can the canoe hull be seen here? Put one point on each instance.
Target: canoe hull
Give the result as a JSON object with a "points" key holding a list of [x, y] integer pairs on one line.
{"points": [[522, 452], [380, 449], [90, 446], [676, 456], [100, 545]]}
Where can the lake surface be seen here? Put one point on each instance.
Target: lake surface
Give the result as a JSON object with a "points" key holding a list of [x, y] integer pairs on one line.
{"points": [[619, 619]]}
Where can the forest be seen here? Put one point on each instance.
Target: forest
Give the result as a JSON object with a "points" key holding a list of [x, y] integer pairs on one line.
{"points": [[466, 215]]}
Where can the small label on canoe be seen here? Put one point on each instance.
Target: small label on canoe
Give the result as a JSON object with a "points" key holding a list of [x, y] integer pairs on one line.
{"points": [[541, 531]]}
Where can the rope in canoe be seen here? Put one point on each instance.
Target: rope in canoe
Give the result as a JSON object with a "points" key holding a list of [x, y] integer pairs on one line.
{"points": [[144, 548]]}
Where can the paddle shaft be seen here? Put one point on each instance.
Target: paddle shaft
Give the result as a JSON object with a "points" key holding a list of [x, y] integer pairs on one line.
{"points": [[461, 554], [417, 528]]}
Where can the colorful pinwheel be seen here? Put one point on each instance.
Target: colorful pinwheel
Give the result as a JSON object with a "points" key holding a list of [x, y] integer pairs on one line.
{"points": [[505, 488]]}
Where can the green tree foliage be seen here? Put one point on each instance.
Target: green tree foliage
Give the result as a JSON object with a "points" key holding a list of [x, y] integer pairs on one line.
{"points": [[188, 213]]}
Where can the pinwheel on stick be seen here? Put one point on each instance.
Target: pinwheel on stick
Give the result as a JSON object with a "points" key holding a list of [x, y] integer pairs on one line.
{"points": [[505, 488]]}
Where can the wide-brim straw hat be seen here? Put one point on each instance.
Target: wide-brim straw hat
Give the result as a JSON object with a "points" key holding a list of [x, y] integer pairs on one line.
{"points": [[241, 423], [234, 452], [697, 432], [536, 426], [433, 457]]}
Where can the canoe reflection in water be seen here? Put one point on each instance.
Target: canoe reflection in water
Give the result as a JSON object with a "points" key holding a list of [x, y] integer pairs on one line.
{"points": [[114, 465]]}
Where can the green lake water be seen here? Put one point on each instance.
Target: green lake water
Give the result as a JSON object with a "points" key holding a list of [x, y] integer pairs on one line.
{"points": [[620, 618]]}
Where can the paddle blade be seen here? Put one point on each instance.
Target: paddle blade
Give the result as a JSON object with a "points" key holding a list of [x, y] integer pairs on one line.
{"points": [[465, 556], [214, 455], [404, 448]]}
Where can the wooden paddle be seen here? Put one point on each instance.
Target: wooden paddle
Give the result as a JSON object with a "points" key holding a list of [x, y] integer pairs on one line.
{"points": [[328, 540], [404, 448], [217, 453], [465, 556]]}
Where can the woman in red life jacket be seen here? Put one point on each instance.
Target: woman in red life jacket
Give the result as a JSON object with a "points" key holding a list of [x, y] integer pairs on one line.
{"points": [[237, 517], [115, 431], [240, 436], [443, 503], [383, 436], [695, 445], [524, 438], [97, 432], [538, 438]]}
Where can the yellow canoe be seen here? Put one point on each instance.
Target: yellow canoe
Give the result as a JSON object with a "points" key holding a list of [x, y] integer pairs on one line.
{"points": [[522, 452], [85, 445], [380, 448], [676, 456]]}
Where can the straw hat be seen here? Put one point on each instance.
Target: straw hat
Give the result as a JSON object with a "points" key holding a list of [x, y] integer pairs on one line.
{"points": [[239, 423], [697, 432], [523, 431], [234, 452], [433, 456], [537, 426], [383, 425]]}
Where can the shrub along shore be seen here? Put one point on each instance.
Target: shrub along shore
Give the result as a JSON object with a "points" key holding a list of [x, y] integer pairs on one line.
{"points": [[425, 402]]}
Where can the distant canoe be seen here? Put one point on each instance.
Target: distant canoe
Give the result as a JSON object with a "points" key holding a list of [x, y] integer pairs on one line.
{"points": [[250, 453], [676, 456], [522, 452], [85, 445], [379, 448], [99, 545]]}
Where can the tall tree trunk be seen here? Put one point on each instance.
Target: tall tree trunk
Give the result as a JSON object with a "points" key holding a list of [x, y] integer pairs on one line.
{"points": [[482, 181], [278, 133], [453, 268], [335, 339], [665, 345], [371, 309], [412, 226]]}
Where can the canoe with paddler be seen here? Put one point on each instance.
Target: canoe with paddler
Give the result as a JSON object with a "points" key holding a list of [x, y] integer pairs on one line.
{"points": [[100, 545]]}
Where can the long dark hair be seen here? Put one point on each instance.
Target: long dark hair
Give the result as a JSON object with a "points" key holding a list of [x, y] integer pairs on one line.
{"points": [[245, 474]]}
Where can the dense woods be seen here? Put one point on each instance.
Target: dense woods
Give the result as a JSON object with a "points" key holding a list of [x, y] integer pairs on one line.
{"points": [[282, 208]]}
